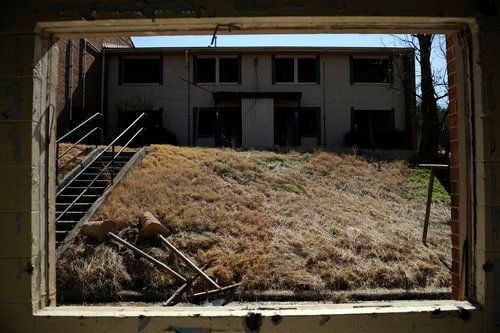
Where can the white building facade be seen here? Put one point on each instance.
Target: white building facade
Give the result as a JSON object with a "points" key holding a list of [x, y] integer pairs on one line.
{"points": [[264, 97]]}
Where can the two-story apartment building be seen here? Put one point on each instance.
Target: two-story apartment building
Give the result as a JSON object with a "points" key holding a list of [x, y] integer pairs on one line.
{"points": [[259, 97]]}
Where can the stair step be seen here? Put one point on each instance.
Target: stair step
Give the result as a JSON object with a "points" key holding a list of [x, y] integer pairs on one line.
{"points": [[65, 225], [61, 235], [79, 189], [84, 199], [69, 215]]}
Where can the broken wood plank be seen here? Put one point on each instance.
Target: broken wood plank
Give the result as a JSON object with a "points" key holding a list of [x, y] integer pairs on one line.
{"points": [[216, 291], [183, 288], [146, 256], [188, 261], [430, 190]]}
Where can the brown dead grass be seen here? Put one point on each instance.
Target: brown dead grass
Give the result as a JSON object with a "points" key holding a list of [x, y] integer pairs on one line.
{"points": [[72, 158], [298, 221]]}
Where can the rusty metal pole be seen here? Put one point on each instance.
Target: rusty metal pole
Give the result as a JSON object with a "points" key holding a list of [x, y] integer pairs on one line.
{"points": [[430, 189]]}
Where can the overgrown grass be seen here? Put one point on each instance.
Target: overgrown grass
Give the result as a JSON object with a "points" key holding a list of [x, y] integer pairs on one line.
{"points": [[303, 222], [421, 176]]}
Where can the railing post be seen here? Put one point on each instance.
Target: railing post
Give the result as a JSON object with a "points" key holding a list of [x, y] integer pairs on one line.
{"points": [[57, 162], [112, 163]]}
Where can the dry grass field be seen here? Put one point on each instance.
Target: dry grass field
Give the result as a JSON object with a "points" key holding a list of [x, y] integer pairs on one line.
{"points": [[72, 158], [316, 222]]}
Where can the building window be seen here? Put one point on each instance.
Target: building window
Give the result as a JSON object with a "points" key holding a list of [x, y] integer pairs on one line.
{"points": [[205, 70], [284, 69], [296, 70], [141, 70], [217, 70], [370, 70], [206, 122], [228, 70], [307, 69], [308, 120]]}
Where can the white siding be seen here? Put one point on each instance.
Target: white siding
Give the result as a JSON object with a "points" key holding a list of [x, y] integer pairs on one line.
{"points": [[335, 95], [257, 117]]}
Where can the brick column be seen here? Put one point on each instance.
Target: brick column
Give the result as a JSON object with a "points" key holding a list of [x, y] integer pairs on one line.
{"points": [[454, 170]]}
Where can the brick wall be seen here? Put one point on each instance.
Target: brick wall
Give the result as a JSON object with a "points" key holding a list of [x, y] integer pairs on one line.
{"points": [[454, 171], [90, 64]]}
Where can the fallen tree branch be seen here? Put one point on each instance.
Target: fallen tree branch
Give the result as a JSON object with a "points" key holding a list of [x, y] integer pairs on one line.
{"points": [[146, 256], [184, 258]]}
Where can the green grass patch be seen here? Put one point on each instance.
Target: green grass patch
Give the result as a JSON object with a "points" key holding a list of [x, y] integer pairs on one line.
{"points": [[290, 188], [421, 176]]}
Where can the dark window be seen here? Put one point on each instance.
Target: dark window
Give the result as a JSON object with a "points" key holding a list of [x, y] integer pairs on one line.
{"points": [[370, 70], [206, 122], [308, 120], [372, 120], [141, 70], [307, 70], [205, 70], [284, 69], [228, 70]]}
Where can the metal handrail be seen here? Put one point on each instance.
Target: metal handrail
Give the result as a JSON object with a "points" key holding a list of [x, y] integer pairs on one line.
{"points": [[58, 141], [114, 156], [79, 126], [80, 140]]}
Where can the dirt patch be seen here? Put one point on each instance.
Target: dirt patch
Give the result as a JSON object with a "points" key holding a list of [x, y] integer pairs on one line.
{"points": [[298, 221]]}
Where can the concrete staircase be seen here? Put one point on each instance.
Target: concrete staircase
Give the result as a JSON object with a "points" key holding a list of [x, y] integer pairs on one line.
{"points": [[67, 219]]}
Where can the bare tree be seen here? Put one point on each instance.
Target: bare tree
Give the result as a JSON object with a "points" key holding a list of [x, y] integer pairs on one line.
{"points": [[431, 91]]}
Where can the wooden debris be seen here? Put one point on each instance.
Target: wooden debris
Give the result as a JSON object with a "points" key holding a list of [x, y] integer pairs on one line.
{"points": [[430, 190], [99, 229], [216, 291], [184, 258], [150, 226], [146, 256]]}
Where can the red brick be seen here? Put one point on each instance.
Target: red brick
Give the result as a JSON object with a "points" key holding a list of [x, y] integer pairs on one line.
{"points": [[455, 227], [453, 133], [453, 119], [455, 279], [454, 186], [455, 292], [455, 253], [452, 106], [452, 65], [455, 240], [453, 172], [454, 199]]}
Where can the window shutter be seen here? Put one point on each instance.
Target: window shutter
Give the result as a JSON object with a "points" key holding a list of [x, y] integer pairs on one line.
{"points": [[274, 69], [239, 69], [161, 69], [318, 70], [195, 70], [120, 70], [318, 125], [351, 70]]}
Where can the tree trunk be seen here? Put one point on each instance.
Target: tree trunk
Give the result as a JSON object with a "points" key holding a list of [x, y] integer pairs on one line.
{"points": [[429, 141]]}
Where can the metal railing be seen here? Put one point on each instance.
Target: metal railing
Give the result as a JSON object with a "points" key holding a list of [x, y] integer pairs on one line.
{"points": [[109, 165], [81, 139]]}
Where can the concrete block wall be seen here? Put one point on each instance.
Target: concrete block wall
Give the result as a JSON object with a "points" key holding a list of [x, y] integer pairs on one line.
{"points": [[26, 206]]}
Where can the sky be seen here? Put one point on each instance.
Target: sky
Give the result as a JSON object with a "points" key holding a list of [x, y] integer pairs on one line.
{"points": [[342, 40]]}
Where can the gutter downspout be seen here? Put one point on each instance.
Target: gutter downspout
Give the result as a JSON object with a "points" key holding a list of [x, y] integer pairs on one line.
{"points": [[83, 70], [69, 68], [187, 65], [103, 71], [324, 105]]}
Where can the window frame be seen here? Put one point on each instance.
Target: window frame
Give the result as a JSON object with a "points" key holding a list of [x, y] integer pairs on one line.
{"points": [[217, 69], [390, 75], [121, 70], [296, 69]]}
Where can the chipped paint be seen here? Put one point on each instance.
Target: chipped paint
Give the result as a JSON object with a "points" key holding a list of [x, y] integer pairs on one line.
{"points": [[324, 320], [13, 92], [143, 323], [15, 141], [91, 11]]}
